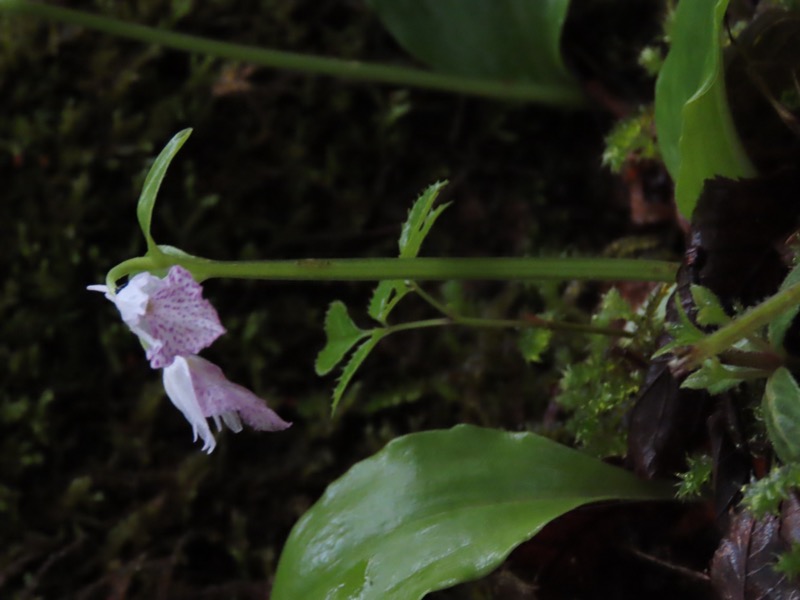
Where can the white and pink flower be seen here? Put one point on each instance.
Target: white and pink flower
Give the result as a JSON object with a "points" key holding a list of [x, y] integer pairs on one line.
{"points": [[174, 322]]}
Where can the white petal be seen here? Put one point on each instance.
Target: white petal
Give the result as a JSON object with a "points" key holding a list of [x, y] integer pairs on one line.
{"points": [[180, 389]]}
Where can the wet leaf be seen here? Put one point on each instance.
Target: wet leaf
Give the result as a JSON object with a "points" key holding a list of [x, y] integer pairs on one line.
{"points": [[696, 134], [436, 508]]}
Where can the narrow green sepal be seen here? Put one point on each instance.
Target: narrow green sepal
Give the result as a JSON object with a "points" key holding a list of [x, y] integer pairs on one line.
{"points": [[152, 183]]}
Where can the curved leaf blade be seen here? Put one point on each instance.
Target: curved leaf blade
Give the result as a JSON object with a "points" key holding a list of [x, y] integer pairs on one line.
{"points": [[516, 40], [152, 183], [436, 508], [696, 134]]}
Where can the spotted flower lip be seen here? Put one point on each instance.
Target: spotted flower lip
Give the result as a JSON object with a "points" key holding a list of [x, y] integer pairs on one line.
{"points": [[200, 390], [169, 315]]}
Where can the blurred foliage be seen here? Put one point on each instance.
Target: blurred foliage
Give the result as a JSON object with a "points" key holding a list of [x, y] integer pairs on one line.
{"points": [[102, 493]]}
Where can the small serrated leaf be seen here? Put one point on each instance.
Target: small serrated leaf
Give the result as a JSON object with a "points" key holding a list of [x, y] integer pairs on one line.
{"points": [[683, 332], [420, 220], [354, 363], [532, 342], [709, 308], [715, 377], [781, 408], [342, 334], [147, 199], [385, 297]]}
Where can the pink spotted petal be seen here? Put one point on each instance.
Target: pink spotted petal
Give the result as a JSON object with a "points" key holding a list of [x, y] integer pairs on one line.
{"points": [[199, 389], [220, 398], [179, 319]]}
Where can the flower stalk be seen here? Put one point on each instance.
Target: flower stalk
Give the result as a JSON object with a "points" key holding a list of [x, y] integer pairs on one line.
{"points": [[418, 269]]}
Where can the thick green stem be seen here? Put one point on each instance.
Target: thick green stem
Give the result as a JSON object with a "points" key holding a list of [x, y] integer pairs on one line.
{"points": [[431, 269], [561, 96], [750, 322]]}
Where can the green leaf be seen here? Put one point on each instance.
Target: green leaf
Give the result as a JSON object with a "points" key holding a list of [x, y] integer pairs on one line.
{"points": [[385, 297], [512, 40], [342, 334], [781, 408], [696, 134], [532, 342], [420, 219], [352, 365], [147, 199], [437, 508], [716, 377], [684, 332], [780, 325], [709, 308]]}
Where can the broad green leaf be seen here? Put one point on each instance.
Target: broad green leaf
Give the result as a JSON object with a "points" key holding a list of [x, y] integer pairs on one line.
{"points": [[532, 342], [342, 334], [354, 363], [780, 325], [437, 508], [709, 308], [781, 408], [696, 134], [147, 199], [420, 219], [512, 40]]}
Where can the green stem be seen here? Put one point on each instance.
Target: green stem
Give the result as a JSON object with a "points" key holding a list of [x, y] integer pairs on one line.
{"points": [[561, 96], [529, 322], [432, 269], [754, 319]]}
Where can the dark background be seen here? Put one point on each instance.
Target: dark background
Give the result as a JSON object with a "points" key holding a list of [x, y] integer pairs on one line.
{"points": [[102, 493]]}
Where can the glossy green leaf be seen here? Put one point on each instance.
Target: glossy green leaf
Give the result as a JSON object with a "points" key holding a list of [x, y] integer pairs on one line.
{"points": [[781, 408], [341, 333], [514, 40], [696, 134], [147, 199], [420, 219], [437, 508]]}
